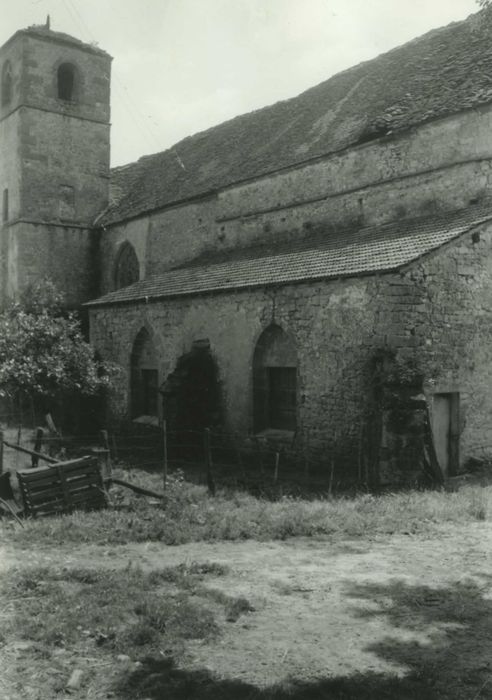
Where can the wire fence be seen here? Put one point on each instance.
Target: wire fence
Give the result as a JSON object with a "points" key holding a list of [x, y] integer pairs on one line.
{"points": [[218, 458]]}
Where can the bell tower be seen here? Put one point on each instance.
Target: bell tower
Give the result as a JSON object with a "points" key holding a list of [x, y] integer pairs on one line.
{"points": [[54, 159]]}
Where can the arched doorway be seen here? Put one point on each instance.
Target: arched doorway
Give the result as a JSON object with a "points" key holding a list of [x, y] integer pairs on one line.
{"points": [[144, 382], [192, 392], [275, 381]]}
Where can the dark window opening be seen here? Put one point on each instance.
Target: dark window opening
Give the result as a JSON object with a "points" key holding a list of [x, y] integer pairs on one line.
{"points": [[275, 381], [144, 388], [66, 82], [5, 205], [127, 268], [149, 392], [7, 82], [282, 389]]}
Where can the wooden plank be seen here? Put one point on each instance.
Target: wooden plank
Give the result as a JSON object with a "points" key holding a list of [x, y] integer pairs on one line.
{"points": [[49, 511], [50, 482], [83, 480], [72, 464], [89, 495], [84, 464], [42, 482], [137, 489], [39, 455], [94, 472], [45, 497]]}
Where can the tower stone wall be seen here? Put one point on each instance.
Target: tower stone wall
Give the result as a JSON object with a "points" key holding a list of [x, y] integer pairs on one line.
{"points": [[54, 160]]}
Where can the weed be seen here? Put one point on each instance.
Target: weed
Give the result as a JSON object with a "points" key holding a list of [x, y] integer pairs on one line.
{"points": [[190, 515], [128, 613], [478, 507]]}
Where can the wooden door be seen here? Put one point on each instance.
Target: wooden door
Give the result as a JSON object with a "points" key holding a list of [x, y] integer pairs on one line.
{"points": [[445, 429]]}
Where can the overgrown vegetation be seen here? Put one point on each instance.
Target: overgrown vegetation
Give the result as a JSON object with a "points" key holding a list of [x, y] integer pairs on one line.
{"points": [[43, 354], [191, 515], [92, 618], [133, 633]]}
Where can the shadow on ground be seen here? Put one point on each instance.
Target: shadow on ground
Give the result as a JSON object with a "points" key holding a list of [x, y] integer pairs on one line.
{"points": [[452, 660]]}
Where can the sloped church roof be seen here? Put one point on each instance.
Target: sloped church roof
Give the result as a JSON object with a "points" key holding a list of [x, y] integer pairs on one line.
{"points": [[443, 72]]}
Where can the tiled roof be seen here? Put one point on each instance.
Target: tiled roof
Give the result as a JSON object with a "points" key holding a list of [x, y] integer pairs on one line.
{"points": [[368, 250], [443, 72]]}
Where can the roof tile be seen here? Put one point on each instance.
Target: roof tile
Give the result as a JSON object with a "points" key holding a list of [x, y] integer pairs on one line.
{"points": [[348, 253]]}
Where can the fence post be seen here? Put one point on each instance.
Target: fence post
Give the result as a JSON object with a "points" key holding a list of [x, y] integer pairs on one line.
{"points": [[332, 473], [164, 462], [260, 454], [208, 461], [275, 473], [1, 451], [37, 447], [114, 446], [239, 455], [104, 456]]}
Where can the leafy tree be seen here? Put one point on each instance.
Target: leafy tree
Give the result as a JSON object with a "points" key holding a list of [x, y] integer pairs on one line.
{"points": [[43, 354]]}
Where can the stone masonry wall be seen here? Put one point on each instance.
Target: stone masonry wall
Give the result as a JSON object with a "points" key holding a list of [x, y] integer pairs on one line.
{"points": [[59, 152], [438, 311], [439, 166], [66, 255], [163, 240], [323, 320], [426, 151], [43, 55]]}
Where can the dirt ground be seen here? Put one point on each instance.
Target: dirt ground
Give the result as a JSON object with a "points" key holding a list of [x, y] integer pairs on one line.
{"points": [[381, 611]]}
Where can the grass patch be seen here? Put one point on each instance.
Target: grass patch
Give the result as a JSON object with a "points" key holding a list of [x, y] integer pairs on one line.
{"points": [[91, 619], [190, 515]]}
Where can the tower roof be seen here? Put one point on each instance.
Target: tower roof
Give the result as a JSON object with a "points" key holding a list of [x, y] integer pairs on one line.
{"points": [[43, 31]]}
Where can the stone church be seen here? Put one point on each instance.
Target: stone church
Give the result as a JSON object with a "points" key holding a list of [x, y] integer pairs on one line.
{"points": [[306, 270]]}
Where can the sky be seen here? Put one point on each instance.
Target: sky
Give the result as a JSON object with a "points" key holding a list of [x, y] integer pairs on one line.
{"points": [[181, 66]]}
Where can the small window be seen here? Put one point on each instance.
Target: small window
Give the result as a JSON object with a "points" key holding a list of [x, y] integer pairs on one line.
{"points": [[7, 83], [5, 205], [127, 268], [66, 82]]}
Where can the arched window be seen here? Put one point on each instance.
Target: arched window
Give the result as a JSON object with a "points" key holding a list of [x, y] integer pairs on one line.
{"points": [[144, 377], [7, 83], [275, 381], [66, 82], [127, 268]]}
